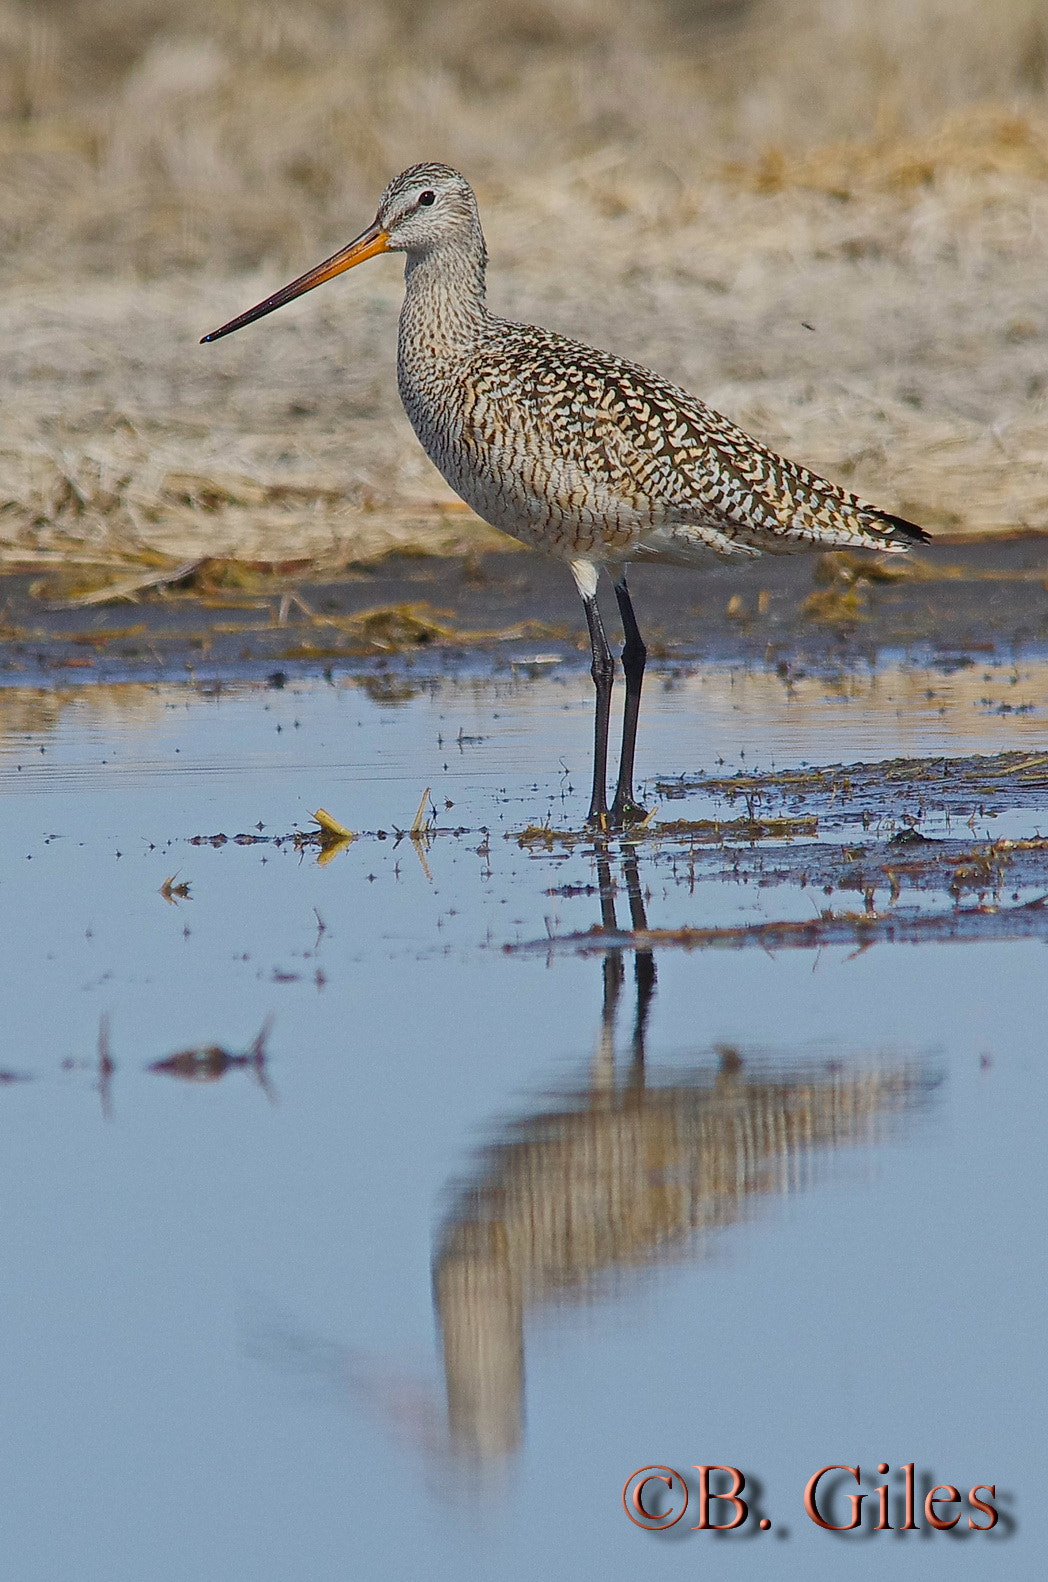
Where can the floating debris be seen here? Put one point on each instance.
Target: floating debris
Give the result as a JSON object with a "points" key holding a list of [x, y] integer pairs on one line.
{"points": [[419, 823], [950, 867], [332, 836], [172, 892], [330, 828], [209, 1062]]}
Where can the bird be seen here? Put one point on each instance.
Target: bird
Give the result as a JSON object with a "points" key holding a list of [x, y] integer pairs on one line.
{"points": [[589, 457]]}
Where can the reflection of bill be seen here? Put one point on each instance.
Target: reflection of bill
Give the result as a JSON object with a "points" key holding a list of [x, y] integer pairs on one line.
{"points": [[631, 1167]]}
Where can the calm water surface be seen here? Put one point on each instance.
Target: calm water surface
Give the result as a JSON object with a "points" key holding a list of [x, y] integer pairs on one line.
{"points": [[414, 1248]]}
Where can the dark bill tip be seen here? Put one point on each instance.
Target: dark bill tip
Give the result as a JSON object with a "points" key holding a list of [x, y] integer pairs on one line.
{"points": [[373, 240]]}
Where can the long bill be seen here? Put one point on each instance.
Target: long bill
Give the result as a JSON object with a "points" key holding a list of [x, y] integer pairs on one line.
{"points": [[370, 242]]}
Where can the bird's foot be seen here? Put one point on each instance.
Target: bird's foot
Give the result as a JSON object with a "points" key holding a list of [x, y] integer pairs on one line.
{"points": [[626, 812]]}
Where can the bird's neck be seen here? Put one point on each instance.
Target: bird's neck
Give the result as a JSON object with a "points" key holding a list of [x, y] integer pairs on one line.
{"points": [[444, 309]]}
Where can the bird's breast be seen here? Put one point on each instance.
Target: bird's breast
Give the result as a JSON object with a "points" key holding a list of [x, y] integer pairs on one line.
{"points": [[545, 483]]}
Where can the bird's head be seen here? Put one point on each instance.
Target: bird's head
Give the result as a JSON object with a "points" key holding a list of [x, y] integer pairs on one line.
{"points": [[425, 207]]}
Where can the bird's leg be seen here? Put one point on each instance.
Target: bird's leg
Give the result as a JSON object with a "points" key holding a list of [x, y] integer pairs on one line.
{"points": [[603, 1075], [603, 672], [625, 809], [643, 966]]}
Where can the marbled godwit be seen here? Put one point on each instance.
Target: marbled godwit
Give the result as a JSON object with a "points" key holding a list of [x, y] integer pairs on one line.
{"points": [[574, 451]]}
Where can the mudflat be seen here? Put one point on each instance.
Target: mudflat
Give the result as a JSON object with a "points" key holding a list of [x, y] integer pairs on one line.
{"points": [[953, 604]]}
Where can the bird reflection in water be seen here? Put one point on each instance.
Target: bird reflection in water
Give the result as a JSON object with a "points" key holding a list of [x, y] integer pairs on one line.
{"points": [[627, 1171]]}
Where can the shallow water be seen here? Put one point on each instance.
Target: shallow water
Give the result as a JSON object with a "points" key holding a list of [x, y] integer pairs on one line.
{"points": [[412, 1284]]}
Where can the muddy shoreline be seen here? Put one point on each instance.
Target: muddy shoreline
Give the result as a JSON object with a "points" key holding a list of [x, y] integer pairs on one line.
{"points": [[948, 606]]}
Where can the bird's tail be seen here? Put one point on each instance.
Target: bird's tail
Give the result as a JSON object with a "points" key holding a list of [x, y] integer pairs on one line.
{"points": [[898, 533]]}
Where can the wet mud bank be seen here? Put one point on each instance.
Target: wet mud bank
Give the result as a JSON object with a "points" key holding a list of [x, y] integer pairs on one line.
{"points": [[949, 605], [859, 740]]}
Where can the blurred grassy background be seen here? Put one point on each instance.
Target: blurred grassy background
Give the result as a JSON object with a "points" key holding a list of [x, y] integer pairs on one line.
{"points": [[691, 182]]}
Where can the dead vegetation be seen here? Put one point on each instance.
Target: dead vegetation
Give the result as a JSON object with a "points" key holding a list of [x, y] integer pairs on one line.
{"points": [[825, 216], [847, 792], [861, 930]]}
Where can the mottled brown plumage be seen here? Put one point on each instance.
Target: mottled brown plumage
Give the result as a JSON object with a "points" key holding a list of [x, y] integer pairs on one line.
{"points": [[575, 451]]}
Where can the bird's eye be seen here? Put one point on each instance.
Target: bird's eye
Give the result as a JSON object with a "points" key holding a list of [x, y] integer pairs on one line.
{"points": [[427, 197]]}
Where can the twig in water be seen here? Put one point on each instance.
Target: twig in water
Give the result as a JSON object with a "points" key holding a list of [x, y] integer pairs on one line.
{"points": [[418, 824]]}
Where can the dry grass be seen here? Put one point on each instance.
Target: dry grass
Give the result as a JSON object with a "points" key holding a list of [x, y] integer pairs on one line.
{"points": [[228, 133], [691, 183]]}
